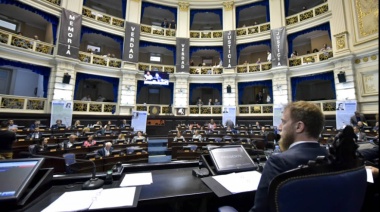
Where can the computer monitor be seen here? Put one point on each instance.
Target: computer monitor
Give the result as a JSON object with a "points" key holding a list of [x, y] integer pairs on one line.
{"points": [[46, 134], [367, 129], [52, 147], [80, 127], [202, 132], [134, 150], [77, 144], [107, 133], [231, 158], [215, 132], [116, 152], [120, 141], [242, 132], [100, 143], [89, 133], [329, 128], [96, 127], [211, 139], [12, 187], [112, 126], [196, 140], [61, 127], [140, 140], [92, 155], [179, 140], [229, 139], [187, 132], [57, 135], [42, 127], [20, 127], [190, 147], [173, 132]]}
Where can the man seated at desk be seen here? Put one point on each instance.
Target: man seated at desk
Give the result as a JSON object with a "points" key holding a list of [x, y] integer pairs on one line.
{"points": [[57, 124], [197, 135], [106, 151], [11, 126], [36, 134], [68, 143], [138, 138]]}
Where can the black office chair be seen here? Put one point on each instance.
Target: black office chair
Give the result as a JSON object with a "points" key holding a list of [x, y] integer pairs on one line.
{"points": [[319, 187]]}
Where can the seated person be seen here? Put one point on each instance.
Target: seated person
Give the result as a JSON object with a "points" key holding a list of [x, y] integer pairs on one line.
{"points": [[148, 76], [120, 137], [86, 129], [216, 102], [124, 124], [42, 147], [362, 137], [376, 127], [197, 135], [229, 130], [107, 130], [57, 124], [12, 126], [195, 125], [179, 136], [36, 123], [36, 134], [106, 151], [90, 141], [76, 124], [139, 136], [199, 103], [157, 78], [68, 143], [100, 98], [211, 125]]}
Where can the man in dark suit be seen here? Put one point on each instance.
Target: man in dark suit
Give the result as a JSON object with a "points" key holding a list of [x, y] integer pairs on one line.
{"points": [[57, 124], [36, 134], [356, 118], [302, 122], [361, 135], [106, 151], [259, 98]]}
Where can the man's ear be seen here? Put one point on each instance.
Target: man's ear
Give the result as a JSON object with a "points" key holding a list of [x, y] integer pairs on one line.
{"points": [[300, 127]]}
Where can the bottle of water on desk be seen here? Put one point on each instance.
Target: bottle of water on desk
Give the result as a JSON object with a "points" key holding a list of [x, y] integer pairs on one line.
{"points": [[276, 150]]}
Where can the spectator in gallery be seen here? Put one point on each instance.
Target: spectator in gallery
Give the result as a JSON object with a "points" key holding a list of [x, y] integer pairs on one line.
{"points": [[245, 63], [307, 52], [86, 98], [325, 49], [20, 33], [209, 102], [258, 61], [225, 110], [315, 50], [199, 103], [304, 8], [172, 25], [191, 63], [97, 51], [100, 98], [90, 141], [294, 54], [216, 102], [148, 76], [255, 23], [259, 98], [340, 106], [165, 24], [268, 99], [269, 57], [220, 63]]}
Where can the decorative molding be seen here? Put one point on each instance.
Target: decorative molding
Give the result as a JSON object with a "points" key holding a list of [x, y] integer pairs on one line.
{"points": [[366, 20], [369, 83], [136, 0], [184, 6], [228, 5]]}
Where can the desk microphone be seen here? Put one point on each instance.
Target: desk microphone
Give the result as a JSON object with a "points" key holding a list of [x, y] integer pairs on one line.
{"points": [[200, 172], [92, 183]]}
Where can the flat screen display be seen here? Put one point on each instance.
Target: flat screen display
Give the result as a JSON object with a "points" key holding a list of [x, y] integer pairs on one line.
{"points": [[156, 78], [231, 158], [15, 176]]}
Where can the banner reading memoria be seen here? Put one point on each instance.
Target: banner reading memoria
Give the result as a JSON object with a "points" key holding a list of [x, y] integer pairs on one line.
{"points": [[344, 111], [229, 113], [131, 42], [139, 119], [229, 49], [69, 35], [61, 110], [279, 47], [182, 57]]}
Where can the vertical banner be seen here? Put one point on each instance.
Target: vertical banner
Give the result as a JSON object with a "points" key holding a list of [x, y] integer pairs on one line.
{"points": [[229, 113], [279, 47], [277, 114], [62, 110], [69, 34], [229, 49], [131, 42], [182, 57], [344, 111], [139, 119]]}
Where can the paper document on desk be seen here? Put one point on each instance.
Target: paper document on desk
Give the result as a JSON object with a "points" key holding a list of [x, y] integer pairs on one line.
{"points": [[115, 197], [239, 182], [137, 179], [74, 201]]}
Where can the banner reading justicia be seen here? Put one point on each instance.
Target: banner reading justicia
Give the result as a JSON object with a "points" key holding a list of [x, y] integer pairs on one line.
{"points": [[279, 47], [69, 34], [229, 49]]}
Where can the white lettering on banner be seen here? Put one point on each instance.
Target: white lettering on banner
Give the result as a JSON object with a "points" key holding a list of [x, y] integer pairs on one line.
{"points": [[183, 56], [278, 44], [70, 32], [131, 42]]}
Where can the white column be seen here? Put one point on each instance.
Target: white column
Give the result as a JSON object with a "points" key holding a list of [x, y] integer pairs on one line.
{"points": [[183, 20], [277, 14], [281, 86], [345, 90], [127, 91], [229, 18], [230, 99], [73, 5], [338, 28], [181, 90], [133, 11]]}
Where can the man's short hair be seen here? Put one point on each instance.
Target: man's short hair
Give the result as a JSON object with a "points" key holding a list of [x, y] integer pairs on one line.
{"points": [[4, 124], [310, 114]]}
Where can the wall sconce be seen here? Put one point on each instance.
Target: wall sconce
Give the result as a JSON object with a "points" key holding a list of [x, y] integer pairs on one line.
{"points": [[129, 87]]}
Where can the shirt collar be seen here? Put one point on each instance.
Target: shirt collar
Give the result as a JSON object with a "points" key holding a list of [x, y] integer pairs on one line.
{"points": [[302, 142]]}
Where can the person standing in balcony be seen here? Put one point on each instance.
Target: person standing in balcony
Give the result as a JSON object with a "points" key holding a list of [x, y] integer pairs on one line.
{"points": [[269, 57], [172, 25], [258, 61], [86, 98], [259, 98]]}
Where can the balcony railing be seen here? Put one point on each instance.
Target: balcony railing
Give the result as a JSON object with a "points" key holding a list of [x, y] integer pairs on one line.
{"points": [[254, 67], [102, 17], [56, 2], [155, 109], [304, 15], [205, 70], [25, 42], [310, 58], [12, 103], [206, 34], [266, 109], [206, 109], [156, 67], [250, 30], [99, 60], [94, 107], [156, 30]]}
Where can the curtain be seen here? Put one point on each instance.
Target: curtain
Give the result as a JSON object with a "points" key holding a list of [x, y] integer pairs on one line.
{"points": [[219, 12], [219, 49], [148, 4], [217, 86], [41, 70], [264, 3], [123, 7], [48, 17], [287, 3], [114, 81], [241, 47], [291, 37], [169, 47], [323, 76], [243, 85], [116, 38], [140, 85]]}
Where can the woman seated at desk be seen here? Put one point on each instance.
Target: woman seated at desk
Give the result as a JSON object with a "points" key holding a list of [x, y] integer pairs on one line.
{"points": [[197, 136], [90, 141], [179, 137], [42, 147], [120, 138], [138, 138]]}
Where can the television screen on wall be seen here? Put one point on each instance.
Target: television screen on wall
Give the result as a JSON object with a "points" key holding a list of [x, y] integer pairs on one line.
{"points": [[156, 78]]}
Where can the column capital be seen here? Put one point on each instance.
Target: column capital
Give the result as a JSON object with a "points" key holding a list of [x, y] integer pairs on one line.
{"points": [[228, 5], [183, 6]]}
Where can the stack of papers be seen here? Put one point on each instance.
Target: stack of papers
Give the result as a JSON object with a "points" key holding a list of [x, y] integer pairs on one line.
{"points": [[239, 182], [93, 199], [137, 179]]}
